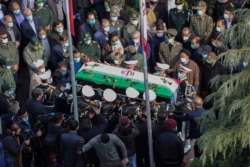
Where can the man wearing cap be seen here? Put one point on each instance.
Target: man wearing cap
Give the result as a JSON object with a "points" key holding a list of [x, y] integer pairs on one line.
{"points": [[108, 105], [115, 22], [90, 26], [132, 26], [178, 17], [131, 53], [169, 147], [34, 51], [201, 24], [161, 69], [193, 74], [113, 46], [44, 14], [102, 35], [169, 49], [127, 132], [90, 47], [132, 107], [48, 99], [14, 34], [6, 75], [8, 49]]}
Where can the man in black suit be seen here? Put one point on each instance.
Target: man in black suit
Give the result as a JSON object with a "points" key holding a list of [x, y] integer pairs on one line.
{"points": [[13, 33], [30, 25], [16, 14]]}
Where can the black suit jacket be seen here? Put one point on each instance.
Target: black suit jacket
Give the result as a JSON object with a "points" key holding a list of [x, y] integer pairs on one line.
{"points": [[27, 30], [16, 32]]}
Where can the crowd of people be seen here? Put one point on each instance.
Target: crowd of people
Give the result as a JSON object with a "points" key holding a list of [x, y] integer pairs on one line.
{"points": [[184, 41]]}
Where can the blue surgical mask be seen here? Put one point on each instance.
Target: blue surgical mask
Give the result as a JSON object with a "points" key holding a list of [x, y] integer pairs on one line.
{"points": [[193, 46], [66, 44], [116, 62], [179, 75], [244, 64], [159, 35], [208, 61], [11, 92], [115, 43], [91, 22], [63, 73], [10, 25], [220, 1], [42, 36], [87, 42], [29, 18], [199, 12], [218, 29], [203, 55], [17, 12], [40, 5], [169, 40], [136, 41], [59, 30], [77, 59], [25, 119]]}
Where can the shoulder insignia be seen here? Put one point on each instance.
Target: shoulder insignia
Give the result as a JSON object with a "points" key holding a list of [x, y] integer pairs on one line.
{"points": [[94, 42]]}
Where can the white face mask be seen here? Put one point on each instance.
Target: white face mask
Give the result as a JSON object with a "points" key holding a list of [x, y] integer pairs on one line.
{"points": [[185, 38], [226, 16], [5, 41], [77, 59], [42, 70], [183, 60], [106, 29], [8, 67], [179, 7], [214, 43], [114, 18], [134, 22]]}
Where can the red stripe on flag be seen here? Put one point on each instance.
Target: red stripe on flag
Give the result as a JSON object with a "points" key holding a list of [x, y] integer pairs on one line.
{"points": [[71, 17]]}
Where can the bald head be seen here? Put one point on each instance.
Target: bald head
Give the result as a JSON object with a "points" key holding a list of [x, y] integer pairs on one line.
{"points": [[27, 12], [198, 102], [15, 6], [8, 18]]}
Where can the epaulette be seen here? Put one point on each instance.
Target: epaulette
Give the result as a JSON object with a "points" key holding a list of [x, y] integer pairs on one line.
{"points": [[231, 4], [94, 42]]}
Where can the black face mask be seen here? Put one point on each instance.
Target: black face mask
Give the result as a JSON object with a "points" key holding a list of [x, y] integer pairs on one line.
{"points": [[153, 3]]}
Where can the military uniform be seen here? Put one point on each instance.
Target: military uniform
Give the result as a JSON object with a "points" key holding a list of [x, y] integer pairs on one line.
{"points": [[44, 15], [7, 77], [129, 28], [31, 54], [169, 52], [48, 99], [117, 24], [178, 20], [10, 51], [92, 50]]}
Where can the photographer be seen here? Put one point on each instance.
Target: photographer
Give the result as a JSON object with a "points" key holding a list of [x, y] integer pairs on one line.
{"points": [[12, 146], [71, 156]]}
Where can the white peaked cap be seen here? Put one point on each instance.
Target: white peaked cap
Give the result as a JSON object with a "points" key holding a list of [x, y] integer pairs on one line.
{"points": [[37, 63], [184, 69], [109, 95], [162, 66], [88, 91], [131, 63], [132, 92], [152, 95], [45, 75]]}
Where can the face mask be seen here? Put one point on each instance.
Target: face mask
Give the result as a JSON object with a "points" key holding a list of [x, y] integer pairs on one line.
{"points": [[169, 40], [208, 61], [106, 29], [91, 22], [40, 5], [219, 1], [179, 75], [10, 25], [185, 38], [244, 64], [193, 46], [42, 70], [5, 41], [116, 62], [114, 18], [63, 73], [42, 36], [25, 119], [203, 55], [59, 30], [199, 12], [17, 12], [159, 35], [11, 92], [218, 29], [183, 60], [179, 7], [87, 42], [226, 16], [50, 80], [214, 44], [66, 44], [8, 67], [115, 43], [29, 18], [77, 59], [136, 41], [134, 22], [158, 73]]}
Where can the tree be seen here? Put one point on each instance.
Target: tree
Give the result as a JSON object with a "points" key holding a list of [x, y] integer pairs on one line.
{"points": [[226, 139]]}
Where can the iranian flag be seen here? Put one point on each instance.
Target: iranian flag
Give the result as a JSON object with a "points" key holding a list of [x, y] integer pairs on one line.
{"points": [[71, 17]]}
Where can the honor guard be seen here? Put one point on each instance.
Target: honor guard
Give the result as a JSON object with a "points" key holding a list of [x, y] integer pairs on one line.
{"points": [[161, 69], [33, 52], [44, 14], [132, 107], [115, 22], [48, 99], [108, 105], [131, 64], [90, 48]]}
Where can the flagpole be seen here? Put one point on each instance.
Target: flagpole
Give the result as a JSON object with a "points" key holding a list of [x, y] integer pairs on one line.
{"points": [[144, 42], [72, 69]]}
